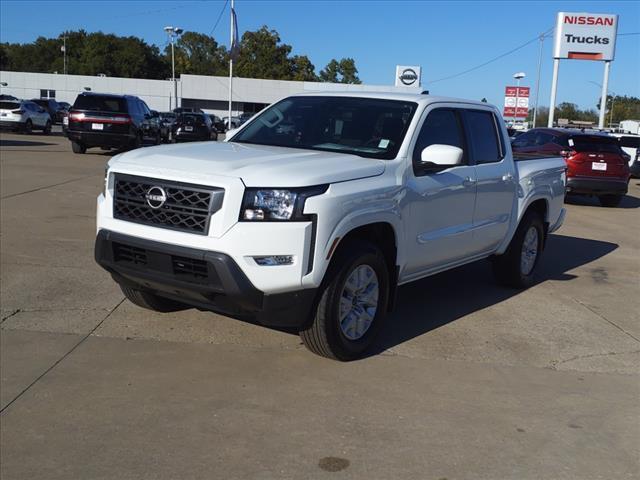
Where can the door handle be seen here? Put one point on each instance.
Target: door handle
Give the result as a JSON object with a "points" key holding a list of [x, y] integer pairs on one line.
{"points": [[468, 182], [507, 177]]}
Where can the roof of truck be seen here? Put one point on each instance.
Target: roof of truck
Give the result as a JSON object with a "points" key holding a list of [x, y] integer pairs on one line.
{"points": [[407, 97]]}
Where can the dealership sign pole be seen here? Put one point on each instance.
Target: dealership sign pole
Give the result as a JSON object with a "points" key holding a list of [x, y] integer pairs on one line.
{"points": [[584, 36]]}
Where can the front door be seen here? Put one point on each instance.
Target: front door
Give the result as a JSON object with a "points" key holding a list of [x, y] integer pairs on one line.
{"points": [[440, 202]]}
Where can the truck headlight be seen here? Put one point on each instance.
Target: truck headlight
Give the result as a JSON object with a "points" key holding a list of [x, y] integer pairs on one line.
{"points": [[277, 204]]}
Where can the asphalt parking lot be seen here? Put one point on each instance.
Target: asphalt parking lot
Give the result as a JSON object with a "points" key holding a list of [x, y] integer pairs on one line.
{"points": [[468, 381]]}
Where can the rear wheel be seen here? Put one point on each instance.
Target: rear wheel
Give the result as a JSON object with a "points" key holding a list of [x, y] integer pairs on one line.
{"points": [[137, 142], [352, 305], [610, 200], [47, 128], [150, 301], [28, 126], [78, 147], [516, 267]]}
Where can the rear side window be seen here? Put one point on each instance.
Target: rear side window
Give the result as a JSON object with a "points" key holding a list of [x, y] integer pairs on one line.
{"points": [[629, 142], [101, 104], [442, 127], [481, 127], [594, 144]]}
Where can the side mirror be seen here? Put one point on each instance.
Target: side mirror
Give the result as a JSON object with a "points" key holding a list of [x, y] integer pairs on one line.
{"points": [[444, 156]]}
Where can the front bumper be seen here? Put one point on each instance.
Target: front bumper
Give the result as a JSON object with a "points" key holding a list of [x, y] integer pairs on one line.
{"points": [[597, 186], [200, 278]]}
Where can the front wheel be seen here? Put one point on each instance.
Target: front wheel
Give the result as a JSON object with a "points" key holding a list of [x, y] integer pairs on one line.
{"points": [[28, 126], [352, 305], [47, 128], [610, 200], [516, 267]]}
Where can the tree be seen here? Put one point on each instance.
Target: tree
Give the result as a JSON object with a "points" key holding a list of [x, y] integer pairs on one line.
{"points": [[344, 71], [302, 69], [624, 108], [263, 56], [198, 54]]}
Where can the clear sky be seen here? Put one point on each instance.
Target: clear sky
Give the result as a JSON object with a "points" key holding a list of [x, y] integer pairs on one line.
{"points": [[445, 38]]}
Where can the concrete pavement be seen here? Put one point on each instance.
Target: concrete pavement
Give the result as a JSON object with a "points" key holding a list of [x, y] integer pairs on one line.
{"points": [[469, 380]]}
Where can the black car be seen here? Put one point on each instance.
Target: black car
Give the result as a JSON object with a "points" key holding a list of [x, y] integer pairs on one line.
{"points": [[110, 121], [55, 110], [218, 124], [193, 127], [167, 119]]}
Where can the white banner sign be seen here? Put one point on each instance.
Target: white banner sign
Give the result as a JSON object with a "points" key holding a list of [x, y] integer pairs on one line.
{"points": [[585, 36]]}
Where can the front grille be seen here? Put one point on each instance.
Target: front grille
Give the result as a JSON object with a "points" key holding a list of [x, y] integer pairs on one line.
{"points": [[185, 207]]}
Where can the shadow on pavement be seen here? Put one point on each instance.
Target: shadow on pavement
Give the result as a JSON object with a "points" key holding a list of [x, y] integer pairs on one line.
{"points": [[23, 143], [430, 303], [627, 202]]}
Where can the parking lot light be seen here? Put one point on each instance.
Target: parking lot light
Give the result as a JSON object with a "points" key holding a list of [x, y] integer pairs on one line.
{"points": [[173, 32]]}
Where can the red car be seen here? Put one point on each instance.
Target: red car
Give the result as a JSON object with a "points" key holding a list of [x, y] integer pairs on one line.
{"points": [[596, 165]]}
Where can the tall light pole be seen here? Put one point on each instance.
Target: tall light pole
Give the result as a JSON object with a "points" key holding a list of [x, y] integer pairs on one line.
{"points": [[518, 76], [535, 108], [173, 32]]}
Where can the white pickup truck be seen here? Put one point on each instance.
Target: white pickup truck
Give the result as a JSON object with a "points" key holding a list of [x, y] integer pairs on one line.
{"points": [[314, 212]]}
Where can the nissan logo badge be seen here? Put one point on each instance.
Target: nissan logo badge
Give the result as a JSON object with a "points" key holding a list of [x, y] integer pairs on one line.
{"points": [[156, 196], [408, 76]]}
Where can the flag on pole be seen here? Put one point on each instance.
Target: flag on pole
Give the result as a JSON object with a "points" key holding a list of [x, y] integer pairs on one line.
{"points": [[235, 43]]}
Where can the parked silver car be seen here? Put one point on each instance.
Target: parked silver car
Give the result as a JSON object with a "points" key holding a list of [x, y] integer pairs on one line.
{"points": [[24, 115]]}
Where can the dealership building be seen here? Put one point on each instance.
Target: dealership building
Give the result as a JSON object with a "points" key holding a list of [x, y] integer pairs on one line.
{"points": [[211, 94]]}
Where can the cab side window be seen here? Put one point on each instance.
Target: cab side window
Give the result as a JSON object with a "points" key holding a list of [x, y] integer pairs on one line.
{"points": [[442, 127], [485, 145]]}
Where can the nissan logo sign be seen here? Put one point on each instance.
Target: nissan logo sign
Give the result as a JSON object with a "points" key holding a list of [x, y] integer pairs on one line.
{"points": [[408, 76], [155, 197]]}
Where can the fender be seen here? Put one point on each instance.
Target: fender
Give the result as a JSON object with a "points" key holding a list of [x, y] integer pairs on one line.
{"points": [[364, 208]]}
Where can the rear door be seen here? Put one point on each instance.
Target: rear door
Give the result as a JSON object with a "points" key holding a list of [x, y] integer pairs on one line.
{"points": [[440, 202], [496, 179]]}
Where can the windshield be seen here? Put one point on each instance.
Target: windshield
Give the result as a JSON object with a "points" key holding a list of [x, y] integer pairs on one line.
{"points": [[367, 127]]}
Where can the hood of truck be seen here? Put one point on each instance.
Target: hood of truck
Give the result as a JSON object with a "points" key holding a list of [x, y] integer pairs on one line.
{"points": [[255, 165]]}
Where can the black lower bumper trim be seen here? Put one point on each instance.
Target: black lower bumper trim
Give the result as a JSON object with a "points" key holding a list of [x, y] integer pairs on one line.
{"points": [[596, 186], [200, 278]]}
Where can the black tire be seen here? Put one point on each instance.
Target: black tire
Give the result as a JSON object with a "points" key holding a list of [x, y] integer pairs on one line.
{"points": [[47, 128], [507, 267], [324, 336], [151, 301], [158, 140], [610, 200], [137, 142], [78, 147], [28, 126]]}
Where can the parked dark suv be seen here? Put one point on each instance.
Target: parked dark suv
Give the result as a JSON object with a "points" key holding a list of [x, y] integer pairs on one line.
{"points": [[596, 165], [193, 127], [55, 110], [110, 121]]}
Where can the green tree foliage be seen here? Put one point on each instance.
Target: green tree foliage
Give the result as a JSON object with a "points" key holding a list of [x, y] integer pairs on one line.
{"points": [[198, 54], [302, 69], [262, 54], [343, 71], [88, 54], [624, 108]]}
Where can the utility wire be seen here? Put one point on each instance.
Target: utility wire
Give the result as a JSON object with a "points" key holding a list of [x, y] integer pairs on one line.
{"points": [[536, 38], [224, 7]]}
